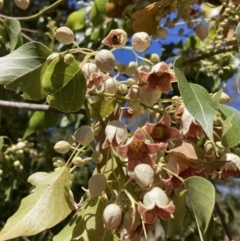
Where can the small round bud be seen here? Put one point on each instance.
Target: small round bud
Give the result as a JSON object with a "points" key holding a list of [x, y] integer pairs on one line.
{"points": [[52, 56], [105, 60], [21, 145], [64, 35], [62, 147], [78, 161], [154, 58], [162, 33], [144, 176], [122, 89], [1, 4], [16, 163], [131, 68], [84, 135], [58, 161], [68, 59], [201, 31], [23, 4], [224, 98], [141, 41], [112, 216], [97, 157], [131, 81], [97, 184], [1, 172]]}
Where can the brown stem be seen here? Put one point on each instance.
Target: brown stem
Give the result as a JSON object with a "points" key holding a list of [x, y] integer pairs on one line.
{"points": [[28, 106], [34, 16], [208, 55], [225, 226]]}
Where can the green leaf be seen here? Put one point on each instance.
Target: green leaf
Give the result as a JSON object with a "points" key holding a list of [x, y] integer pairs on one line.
{"points": [[23, 69], [201, 195], [197, 101], [1, 142], [86, 224], [216, 98], [13, 29], [96, 14], [76, 20], [231, 137], [39, 121], [174, 226], [48, 204], [105, 107]]}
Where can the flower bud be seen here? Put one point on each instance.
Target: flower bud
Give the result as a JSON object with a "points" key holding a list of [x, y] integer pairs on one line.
{"points": [[64, 35], [117, 38], [84, 135], [144, 176], [23, 4], [68, 59], [88, 69], [105, 61], [162, 33], [112, 216], [131, 68], [62, 147], [224, 98], [78, 161], [109, 86], [122, 89], [133, 92], [97, 157], [1, 4], [21, 145], [131, 81], [97, 184], [154, 58], [58, 161], [155, 196], [201, 31], [141, 41], [51, 57]]}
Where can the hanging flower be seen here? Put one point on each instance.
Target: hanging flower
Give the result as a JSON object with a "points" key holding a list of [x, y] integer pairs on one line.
{"points": [[117, 38], [158, 77], [137, 150], [232, 167], [155, 204], [162, 131]]}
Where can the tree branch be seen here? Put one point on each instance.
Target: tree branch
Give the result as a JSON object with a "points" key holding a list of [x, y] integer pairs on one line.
{"points": [[208, 55], [225, 226], [28, 106], [34, 16]]}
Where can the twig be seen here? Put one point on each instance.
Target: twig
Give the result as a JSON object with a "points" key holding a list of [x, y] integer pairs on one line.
{"points": [[28, 106], [34, 16], [225, 226], [208, 55]]}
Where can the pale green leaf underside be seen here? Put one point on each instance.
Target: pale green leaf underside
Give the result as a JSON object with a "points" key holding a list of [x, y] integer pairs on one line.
{"points": [[22, 62], [201, 195], [76, 20], [232, 136], [197, 101], [44, 208], [86, 224]]}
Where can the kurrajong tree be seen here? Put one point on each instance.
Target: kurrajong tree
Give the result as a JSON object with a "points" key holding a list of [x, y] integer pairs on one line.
{"points": [[157, 133]]}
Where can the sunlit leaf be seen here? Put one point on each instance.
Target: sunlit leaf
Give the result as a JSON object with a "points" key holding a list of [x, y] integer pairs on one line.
{"points": [[231, 137], [13, 29], [76, 20], [22, 69], [197, 100], [96, 14], [40, 120], [174, 226], [105, 107], [48, 204], [201, 195]]}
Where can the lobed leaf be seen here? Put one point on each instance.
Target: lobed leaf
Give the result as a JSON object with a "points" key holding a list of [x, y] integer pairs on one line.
{"points": [[23, 69], [197, 100], [48, 204], [201, 195], [231, 135]]}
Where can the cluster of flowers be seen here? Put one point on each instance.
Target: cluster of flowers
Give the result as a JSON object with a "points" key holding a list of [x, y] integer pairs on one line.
{"points": [[160, 155]]}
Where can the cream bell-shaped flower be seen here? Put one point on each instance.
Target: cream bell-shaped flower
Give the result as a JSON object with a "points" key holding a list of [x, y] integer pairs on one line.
{"points": [[112, 216], [155, 204], [141, 41], [117, 38], [105, 60], [144, 175], [116, 134], [64, 35]]}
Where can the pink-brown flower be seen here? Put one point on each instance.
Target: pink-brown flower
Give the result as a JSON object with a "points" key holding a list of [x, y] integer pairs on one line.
{"points": [[158, 77], [232, 167], [117, 38], [155, 204], [137, 150], [162, 131]]}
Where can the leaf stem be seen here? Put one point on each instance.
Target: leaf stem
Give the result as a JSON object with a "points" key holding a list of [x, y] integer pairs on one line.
{"points": [[36, 15], [225, 226]]}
